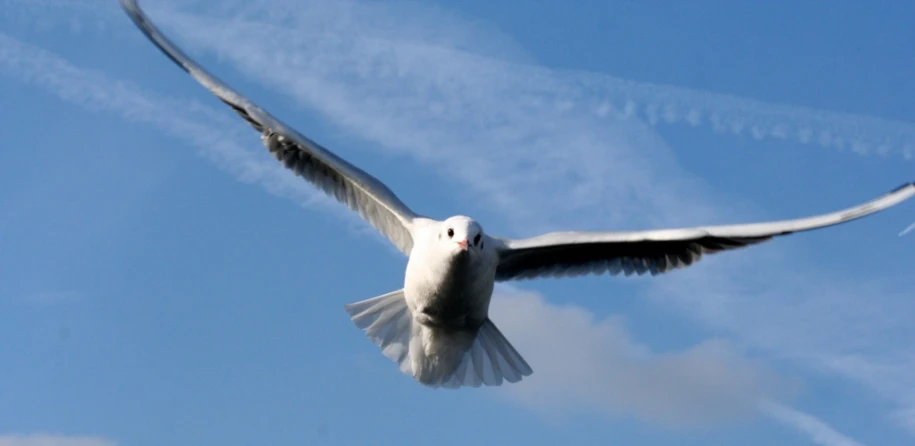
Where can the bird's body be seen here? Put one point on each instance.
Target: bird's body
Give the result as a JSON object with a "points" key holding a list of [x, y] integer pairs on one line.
{"points": [[448, 286], [437, 327]]}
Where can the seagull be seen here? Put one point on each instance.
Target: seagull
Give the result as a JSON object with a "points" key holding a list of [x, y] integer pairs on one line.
{"points": [[437, 327]]}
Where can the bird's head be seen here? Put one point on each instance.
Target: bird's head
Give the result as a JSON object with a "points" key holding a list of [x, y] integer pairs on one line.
{"points": [[463, 234]]}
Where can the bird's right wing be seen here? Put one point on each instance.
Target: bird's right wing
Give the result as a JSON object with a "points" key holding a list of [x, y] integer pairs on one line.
{"points": [[347, 183], [656, 251]]}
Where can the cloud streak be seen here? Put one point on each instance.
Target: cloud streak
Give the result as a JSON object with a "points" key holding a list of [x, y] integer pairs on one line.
{"points": [[214, 133], [907, 230], [819, 432], [52, 440], [666, 104], [187, 120]]}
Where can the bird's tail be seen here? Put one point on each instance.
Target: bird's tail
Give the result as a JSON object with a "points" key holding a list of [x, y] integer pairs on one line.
{"points": [[388, 323], [435, 357], [490, 360]]}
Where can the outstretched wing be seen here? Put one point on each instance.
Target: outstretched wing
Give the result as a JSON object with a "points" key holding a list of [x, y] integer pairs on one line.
{"points": [[350, 185], [656, 251]]}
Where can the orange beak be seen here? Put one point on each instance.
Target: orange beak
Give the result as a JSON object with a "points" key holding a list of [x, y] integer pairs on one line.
{"points": [[462, 244]]}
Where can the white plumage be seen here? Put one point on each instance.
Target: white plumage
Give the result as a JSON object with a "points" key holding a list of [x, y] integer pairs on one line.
{"points": [[437, 328]]}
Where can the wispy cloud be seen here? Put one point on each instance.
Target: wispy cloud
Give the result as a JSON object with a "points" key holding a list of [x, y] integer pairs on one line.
{"points": [[818, 431], [214, 133], [523, 132], [53, 440], [600, 94], [187, 120]]}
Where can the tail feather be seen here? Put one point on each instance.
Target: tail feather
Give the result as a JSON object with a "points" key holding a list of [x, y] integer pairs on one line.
{"points": [[489, 360], [387, 322]]}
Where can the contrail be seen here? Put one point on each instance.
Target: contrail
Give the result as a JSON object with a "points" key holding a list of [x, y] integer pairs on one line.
{"points": [[739, 116]]}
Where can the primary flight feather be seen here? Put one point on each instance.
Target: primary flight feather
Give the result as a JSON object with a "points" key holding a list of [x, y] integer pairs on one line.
{"points": [[437, 327]]}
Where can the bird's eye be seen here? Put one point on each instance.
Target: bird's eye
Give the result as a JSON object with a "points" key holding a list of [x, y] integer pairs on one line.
{"points": [[476, 240], [450, 232]]}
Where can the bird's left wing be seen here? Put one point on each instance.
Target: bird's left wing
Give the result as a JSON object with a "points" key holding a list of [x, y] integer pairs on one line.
{"points": [[347, 183], [559, 254]]}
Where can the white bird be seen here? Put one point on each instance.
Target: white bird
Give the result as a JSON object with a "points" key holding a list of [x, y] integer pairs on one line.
{"points": [[437, 326]]}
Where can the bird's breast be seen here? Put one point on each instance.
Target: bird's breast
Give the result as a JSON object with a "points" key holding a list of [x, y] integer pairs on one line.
{"points": [[452, 293]]}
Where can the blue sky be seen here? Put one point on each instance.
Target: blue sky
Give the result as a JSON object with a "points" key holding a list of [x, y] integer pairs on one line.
{"points": [[163, 281]]}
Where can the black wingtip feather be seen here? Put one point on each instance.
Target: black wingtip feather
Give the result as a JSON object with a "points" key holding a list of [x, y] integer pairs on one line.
{"points": [[904, 186]]}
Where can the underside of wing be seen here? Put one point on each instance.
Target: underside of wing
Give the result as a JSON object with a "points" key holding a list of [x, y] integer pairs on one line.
{"points": [[339, 179], [609, 257], [657, 251]]}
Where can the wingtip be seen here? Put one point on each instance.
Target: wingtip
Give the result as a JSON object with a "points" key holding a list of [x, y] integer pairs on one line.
{"points": [[136, 14], [129, 5], [904, 186]]}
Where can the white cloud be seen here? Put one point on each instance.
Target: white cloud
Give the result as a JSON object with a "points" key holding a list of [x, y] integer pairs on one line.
{"points": [[583, 364], [53, 440]]}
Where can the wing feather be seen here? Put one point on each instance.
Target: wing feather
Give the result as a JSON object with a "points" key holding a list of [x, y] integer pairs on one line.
{"points": [[559, 254], [346, 183]]}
